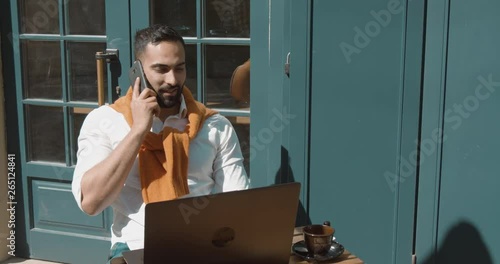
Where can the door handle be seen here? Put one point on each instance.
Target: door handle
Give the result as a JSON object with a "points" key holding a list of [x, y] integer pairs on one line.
{"points": [[103, 57]]}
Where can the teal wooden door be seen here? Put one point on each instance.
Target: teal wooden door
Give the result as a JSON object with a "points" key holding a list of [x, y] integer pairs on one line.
{"points": [[459, 179], [55, 43], [364, 115]]}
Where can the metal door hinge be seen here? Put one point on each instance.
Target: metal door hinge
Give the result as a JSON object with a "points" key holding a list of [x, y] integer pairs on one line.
{"points": [[413, 259], [287, 65]]}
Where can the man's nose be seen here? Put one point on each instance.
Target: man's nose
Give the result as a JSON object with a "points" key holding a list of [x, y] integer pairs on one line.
{"points": [[170, 78]]}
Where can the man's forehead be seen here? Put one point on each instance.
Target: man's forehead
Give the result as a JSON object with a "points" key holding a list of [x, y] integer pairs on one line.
{"points": [[165, 53]]}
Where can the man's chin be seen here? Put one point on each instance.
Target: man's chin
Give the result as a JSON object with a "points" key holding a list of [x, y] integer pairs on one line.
{"points": [[169, 104]]}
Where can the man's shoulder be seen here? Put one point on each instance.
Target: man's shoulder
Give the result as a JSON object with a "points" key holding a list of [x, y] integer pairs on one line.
{"points": [[102, 114], [103, 111], [216, 120]]}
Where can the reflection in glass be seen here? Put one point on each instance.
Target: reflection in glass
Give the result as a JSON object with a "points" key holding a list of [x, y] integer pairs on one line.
{"points": [[191, 69], [38, 17], [78, 115], [45, 133], [221, 63], [41, 63], [241, 125], [227, 18], [179, 14], [86, 17], [83, 71]]}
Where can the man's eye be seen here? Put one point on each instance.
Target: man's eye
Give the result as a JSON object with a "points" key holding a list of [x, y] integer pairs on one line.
{"points": [[162, 70]]}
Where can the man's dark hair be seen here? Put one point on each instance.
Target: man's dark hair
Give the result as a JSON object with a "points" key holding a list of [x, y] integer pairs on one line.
{"points": [[154, 35]]}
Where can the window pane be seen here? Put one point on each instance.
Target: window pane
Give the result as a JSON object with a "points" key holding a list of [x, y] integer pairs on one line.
{"points": [[86, 17], [241, 125], [45, 133], [228, 18], [191, 68], [179, 14], [221, 62], [78, 115], [83, 70], [38, 17], [41, 63]]}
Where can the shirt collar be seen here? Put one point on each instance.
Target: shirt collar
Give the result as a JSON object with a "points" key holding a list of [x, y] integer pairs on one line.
{"points": [[182, 108]]}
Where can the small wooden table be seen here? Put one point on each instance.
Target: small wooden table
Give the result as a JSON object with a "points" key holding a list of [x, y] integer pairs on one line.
{"points": [[345, 258]]}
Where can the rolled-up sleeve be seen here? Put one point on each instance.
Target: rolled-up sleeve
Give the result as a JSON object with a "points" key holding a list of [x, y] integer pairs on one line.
{"points": [[229, 172], [93, 146]]}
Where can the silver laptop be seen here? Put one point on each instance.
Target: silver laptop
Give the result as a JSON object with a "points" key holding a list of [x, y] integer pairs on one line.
{"points": [[249, 226]]}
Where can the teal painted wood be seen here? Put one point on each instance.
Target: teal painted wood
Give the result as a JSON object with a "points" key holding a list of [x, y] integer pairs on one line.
{"points": [[50, 197], [403, 242], [57, 37], [118, 37], [139, 19], [296, 102], [361, 124], [76, 249], [268, 55], [432, 123], [270, 135], [471, 147], [259, 68], [21, 158]]}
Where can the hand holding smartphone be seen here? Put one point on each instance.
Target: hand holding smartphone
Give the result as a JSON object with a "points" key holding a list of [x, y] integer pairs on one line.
{"points": [[137, 71]]}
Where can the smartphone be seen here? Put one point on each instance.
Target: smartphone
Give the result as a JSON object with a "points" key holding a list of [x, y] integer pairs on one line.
{"points": [[137, 71]]}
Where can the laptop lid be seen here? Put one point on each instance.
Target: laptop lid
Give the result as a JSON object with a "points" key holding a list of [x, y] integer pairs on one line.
{"points": [[248, 226]]}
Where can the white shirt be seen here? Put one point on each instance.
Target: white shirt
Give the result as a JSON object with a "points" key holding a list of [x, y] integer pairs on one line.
{"points": [[215, 164]]}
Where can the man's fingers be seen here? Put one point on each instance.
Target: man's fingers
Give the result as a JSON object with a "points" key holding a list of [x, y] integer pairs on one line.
{"points": [[146, 93], [150, 99], [157, 109], [137, 84]]}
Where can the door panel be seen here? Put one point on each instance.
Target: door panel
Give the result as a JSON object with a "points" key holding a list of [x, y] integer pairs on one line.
{"points": [[363, 124], [471, 151], [55, 43]]}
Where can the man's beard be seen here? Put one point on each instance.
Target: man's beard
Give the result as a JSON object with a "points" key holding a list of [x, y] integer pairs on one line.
{"points": [[170, 101]]}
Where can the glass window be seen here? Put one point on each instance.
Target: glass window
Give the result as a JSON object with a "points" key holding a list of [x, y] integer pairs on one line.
{"points": [[228, 18], [86, 17], [39, 17], [41, 62], [83, 71], [78, 116], [192, 70], [45, 133], [223, 91], [179, 14]]}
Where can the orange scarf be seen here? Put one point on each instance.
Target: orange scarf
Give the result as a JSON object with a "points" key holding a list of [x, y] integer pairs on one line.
{"points": [[164, 157]]}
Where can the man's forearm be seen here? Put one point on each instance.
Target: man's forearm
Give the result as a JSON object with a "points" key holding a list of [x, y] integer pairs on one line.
{"points": [[101, 184]]}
